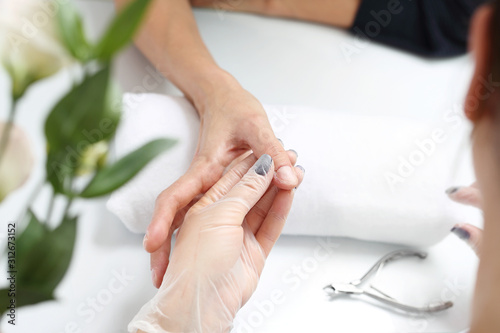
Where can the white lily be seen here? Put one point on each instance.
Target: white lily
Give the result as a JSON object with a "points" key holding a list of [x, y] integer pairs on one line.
{"points": [[30, 46], [17, 161]]}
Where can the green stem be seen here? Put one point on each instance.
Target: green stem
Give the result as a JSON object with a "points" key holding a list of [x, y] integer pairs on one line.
{"points": [[68, 206], [31, 199], [70, 199], [4, 140]]}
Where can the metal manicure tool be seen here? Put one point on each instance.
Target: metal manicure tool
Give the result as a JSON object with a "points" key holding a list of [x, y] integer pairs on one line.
{"points": [[355, 287]]}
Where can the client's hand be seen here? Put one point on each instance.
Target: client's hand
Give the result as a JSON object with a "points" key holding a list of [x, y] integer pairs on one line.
{"points": [[232, 123], [469, 196], [220, 252]]}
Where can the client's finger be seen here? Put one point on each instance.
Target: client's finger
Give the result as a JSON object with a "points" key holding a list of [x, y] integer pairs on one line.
{"points": [[266, 143], [160, 258], [199, 178], [271, 227], [259, 212], [237, 161], [245, 194], [226, 183], [159, 261], [233, 174], [470, 234], [466, 195]]}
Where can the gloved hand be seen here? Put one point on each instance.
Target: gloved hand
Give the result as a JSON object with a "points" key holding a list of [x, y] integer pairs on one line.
{"points": [[220, 252]]}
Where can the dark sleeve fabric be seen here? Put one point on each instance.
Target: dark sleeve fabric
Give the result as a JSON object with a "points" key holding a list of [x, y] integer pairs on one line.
{"points": [[431, 28]]}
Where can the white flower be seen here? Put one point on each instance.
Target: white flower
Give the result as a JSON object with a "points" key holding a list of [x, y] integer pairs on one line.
{"points": [[30, 46], [16, 162]]}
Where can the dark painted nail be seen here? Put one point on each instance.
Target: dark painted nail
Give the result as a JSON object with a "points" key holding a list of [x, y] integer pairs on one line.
{"points": [[281, 142], [263, 165], [452, 190], [461, 233], [293, 150]]}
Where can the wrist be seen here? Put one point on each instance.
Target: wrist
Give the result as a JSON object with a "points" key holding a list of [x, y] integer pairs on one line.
{"points": [[212, 84], [188, 303]]}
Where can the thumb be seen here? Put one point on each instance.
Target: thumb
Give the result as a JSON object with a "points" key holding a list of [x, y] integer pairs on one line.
{"points": [[470, 234], [285, 177], [248, 191]]}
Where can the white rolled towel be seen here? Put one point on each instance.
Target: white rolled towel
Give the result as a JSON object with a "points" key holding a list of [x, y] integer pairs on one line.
{"points": [[367, 177]]}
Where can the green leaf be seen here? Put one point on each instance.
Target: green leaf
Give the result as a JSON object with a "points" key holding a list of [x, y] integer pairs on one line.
{"points": [[86, 115], [75, 120], [72, 32], [44, 265], [122, 29], [60, 171], [32, 234], [22, 297], [42, 259], [112, 177]]}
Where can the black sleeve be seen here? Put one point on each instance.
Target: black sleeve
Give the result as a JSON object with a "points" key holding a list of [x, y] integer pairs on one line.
{"points": [[432, 28]]}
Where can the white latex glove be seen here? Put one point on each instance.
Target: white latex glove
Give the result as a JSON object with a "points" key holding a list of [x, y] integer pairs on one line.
{"points": [[220, 252]]}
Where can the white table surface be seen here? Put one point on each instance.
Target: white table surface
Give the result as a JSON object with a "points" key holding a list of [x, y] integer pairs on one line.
{"points": [[281, 62]]}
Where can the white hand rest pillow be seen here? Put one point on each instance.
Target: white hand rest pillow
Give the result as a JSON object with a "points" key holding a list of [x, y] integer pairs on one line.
{"points": [[367, 177]]}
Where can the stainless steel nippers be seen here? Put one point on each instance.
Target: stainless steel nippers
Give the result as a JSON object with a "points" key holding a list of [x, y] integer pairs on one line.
{"points": [[355, 287]]}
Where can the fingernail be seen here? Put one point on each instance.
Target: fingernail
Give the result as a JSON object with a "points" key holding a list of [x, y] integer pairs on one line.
{"points": [[263, 165], [286, 174], [145, 240], [452, 190], [293, 150], [461, 233], [281, 142]]}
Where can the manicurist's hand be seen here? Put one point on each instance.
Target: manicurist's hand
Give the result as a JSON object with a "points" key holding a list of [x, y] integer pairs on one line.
{"points": [[220, 252], [470, 195]]}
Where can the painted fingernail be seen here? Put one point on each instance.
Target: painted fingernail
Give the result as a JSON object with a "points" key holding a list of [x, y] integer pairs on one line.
{"points": [[263, 165], [281, 142], [293, 150], [461, 233], [452, 190], [145, 240]]}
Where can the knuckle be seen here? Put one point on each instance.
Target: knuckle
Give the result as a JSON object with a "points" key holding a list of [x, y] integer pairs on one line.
{"points": [[266, 135], [266, 235], [277, 216], [274, 149], [162, 197]]}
